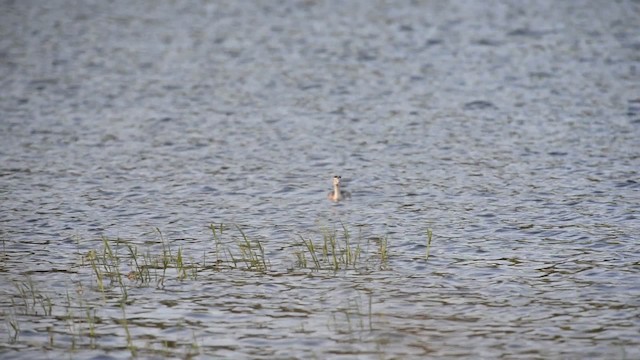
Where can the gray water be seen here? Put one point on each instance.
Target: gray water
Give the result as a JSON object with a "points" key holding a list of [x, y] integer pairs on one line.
{"points": [[508, 128]]}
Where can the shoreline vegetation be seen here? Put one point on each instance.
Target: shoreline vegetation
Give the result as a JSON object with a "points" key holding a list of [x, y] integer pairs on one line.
{"points": [[111, 271]]}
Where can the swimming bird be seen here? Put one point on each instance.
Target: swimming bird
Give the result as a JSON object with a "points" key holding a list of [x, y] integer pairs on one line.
{"points": [[336, 194]]}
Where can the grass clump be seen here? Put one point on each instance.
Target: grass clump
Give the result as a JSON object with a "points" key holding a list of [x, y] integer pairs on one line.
{"points": [[238, 252], [337, 249], [117, 260]]}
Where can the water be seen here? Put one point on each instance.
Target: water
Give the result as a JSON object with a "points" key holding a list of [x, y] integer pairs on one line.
{"points": [[509, 129]]}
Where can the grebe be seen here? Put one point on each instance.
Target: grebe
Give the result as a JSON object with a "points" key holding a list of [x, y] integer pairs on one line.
{"points": [[336, 194]]}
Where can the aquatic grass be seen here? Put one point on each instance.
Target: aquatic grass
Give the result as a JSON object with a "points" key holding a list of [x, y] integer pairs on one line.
{"points": [[110, 262], [182, 274], [91, 321], [429, 237], [143, 266], [353, 315], [76, 320], [13, 326], [216, 239], [81, 319], [220, 249], [383, 251], [336, 249], [312, 252], [33, 299], [252, 254], [141, 270], [69, 318], [117, 265], [351, 255], [36, 304], [166, 258], [301, 258], [92, 257], [125, 326], [106, 264], [194, 349], [332, 252]]}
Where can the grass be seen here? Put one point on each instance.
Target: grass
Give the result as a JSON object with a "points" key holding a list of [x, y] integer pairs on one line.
{"points": [[118, 260], [33, 301], [239, 252], [338, 250], [117, 266], [429, 237], [252, 253]]}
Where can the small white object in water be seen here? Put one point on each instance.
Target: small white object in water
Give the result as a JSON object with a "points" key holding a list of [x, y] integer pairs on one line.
{"points": [[336, 194]]}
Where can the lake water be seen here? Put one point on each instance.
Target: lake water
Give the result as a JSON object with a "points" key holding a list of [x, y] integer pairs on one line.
{"points": [[509, 129]]}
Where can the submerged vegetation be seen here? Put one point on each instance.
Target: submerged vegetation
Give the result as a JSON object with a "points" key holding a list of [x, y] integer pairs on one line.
{"points": [[109, 274]]}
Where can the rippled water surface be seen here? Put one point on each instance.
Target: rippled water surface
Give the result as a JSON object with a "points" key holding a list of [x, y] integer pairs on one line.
{"points": [[509, 129]]}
